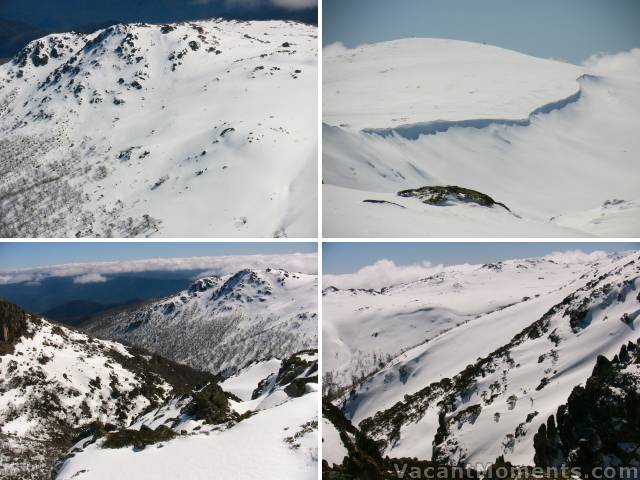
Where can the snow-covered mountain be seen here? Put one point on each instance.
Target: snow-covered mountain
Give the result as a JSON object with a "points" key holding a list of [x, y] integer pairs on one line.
{"points": [[274, 434], [552, 142], [467, 364], [56, 384], [223, 324], [203, 128]]}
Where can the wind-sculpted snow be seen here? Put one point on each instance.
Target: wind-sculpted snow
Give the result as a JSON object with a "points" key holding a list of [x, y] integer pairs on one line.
{"points": [[483, 388], [203, 128], [413, 131], [222, 324], [554, 142]]}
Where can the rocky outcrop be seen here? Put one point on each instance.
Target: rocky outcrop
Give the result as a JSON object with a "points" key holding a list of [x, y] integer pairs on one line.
{"points": [[600, 423]]}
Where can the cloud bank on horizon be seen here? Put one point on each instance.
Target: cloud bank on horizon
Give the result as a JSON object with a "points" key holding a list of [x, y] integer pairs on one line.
{"points": [[384, 272], [288, 4], [96, 272], [381, 274], [625, 63]]}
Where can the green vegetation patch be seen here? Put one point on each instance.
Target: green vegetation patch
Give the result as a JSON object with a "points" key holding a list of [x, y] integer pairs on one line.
{"points": [[211, 405], [439, 195], [138, 439]]}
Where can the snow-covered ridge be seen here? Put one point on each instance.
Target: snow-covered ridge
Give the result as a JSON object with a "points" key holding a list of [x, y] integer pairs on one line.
{"points": [[223, 324], [140, 130], [435, 84], [513, 366]]}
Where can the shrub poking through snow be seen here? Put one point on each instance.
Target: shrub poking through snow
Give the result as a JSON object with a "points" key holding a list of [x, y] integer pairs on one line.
{"points": [[439, 195], [138, 439]]}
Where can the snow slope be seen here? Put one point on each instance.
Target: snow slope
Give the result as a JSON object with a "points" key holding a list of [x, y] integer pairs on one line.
{"points": [[276, 441], [253, 449], [333, 450], [203, 128], [365, 327], [223, 324], [384, 85], [554, 142], [245, 382], [482, 388]]}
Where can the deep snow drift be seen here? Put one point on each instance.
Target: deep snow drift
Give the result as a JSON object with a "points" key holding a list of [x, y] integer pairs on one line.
{"points": [[204, 128], [554, 142], [467, 364]]}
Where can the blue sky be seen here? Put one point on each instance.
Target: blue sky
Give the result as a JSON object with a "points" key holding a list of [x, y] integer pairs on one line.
{"points": [[338, 258], [48, 14], [571, 30], [38, 254]]}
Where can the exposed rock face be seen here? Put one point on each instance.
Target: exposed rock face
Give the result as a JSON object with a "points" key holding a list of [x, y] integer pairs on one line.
{"points": [[600, 423]]}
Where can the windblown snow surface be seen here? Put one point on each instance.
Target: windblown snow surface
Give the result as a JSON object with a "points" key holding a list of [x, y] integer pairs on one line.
{"points": [[491, 350], [556, 143], [223, 324], [204, 128], [278, 440]]}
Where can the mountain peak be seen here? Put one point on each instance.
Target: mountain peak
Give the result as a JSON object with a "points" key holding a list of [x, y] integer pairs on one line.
{"points": [[203, 284]]}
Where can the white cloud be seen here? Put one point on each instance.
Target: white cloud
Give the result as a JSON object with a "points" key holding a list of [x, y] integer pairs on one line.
{"points": [[295, 4], [297, 262], [385, 272], [381, 274], [576, 256], [90, 278], [625, 64], [288, 4], [334, 49]]}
